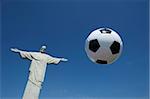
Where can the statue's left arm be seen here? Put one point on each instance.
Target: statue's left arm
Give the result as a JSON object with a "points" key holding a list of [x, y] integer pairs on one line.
{"points": [[55, 60]]}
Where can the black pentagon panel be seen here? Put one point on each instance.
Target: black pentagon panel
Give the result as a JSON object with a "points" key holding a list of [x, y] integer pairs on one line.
{"points": [[105, 31], [101, 62], [94, 45], [115, 47]]}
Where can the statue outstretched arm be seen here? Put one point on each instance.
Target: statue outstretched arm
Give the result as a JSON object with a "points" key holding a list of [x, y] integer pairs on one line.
{"points": [[24, 54], [15, 50], [55, 60], [64, 59]]}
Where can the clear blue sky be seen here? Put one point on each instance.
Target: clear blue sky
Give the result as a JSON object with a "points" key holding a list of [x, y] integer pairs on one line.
{"points": [[63, 26]]}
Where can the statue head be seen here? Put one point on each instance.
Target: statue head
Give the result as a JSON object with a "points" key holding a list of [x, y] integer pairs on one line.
{"points": [[43, 48]]}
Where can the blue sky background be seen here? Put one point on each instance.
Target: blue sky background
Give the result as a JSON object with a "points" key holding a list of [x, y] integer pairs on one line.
{"points": [[63, 26]]}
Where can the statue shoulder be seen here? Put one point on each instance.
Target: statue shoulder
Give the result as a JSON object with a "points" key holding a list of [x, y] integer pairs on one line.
{"points": [[34, 53], [47, 56]]}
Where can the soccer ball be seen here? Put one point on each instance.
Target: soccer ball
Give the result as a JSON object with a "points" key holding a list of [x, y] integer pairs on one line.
{"points": [[103, 46]]}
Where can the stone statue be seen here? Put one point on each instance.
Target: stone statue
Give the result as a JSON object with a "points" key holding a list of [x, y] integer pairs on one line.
{"points": [[39, 61]]}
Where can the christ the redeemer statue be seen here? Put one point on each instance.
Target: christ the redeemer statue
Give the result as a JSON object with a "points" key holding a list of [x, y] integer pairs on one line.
{"points": [[39, 61]]}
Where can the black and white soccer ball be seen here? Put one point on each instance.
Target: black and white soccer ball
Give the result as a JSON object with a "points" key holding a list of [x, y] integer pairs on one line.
{"points": [[103, 46]]}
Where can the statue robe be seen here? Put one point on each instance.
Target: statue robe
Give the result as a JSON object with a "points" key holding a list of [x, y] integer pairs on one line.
{"points": [[37, 70]]}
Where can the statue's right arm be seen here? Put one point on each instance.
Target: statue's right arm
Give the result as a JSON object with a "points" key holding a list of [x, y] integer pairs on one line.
{"points": [[24, 54], [15, 50]]}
